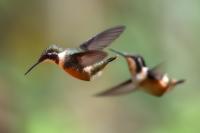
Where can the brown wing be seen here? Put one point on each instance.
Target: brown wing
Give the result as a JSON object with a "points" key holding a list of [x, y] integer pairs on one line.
{"points": [[89, 57], [103, 39], [123, 88]]}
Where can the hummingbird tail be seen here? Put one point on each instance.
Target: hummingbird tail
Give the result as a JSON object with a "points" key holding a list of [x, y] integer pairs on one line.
{"points": [[176, 82], [180, 81], [111, 59], [101, 65], [117, 52]]}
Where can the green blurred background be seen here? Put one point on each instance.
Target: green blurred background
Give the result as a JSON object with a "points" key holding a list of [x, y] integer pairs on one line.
{"points": [[50, 101]]}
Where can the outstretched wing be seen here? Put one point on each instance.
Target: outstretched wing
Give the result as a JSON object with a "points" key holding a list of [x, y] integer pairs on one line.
{"points": [[103, 39], [123, 88]]}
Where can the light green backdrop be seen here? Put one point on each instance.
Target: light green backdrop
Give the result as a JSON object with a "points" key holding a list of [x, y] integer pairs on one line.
{"points": [[50, 101]]}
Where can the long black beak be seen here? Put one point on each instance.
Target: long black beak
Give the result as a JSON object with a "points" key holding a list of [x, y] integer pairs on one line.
{"points": [[119, 53], [41, 59], [32, 67]]}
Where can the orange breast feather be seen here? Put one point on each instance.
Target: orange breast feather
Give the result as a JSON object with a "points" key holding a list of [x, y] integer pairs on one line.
{"points": [[154, 87], [80, 75]]}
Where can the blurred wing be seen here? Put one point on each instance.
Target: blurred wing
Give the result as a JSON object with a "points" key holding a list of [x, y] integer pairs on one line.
{"points": [[155, 72], [89, 57], [103, 39], [120, 89]]}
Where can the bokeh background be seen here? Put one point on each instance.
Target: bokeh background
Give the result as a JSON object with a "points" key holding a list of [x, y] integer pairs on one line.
{"points": [[50, 101]]}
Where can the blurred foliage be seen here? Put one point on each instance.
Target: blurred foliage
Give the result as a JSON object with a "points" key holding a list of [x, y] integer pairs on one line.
{"points": [[50, 101]]}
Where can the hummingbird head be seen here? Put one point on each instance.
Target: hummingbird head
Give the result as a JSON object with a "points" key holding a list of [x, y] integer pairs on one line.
{"points": [[138, 59], [139, 62], [49, 54]]}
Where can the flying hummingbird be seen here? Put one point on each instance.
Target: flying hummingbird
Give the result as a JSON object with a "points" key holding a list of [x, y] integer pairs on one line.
{"points": [[148, 79], [85, 62]]}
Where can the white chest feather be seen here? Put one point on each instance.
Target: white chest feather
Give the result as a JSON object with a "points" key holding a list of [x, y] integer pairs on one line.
{"points": [[142, 75], [62, 57]]}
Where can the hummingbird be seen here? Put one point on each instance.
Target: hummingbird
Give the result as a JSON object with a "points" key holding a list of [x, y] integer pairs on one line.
{"points": [[85, 62], [150, 80]]}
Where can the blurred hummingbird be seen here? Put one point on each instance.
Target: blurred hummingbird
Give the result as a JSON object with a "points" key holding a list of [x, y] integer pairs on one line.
{"points": [[85, 62], [150, 80]]}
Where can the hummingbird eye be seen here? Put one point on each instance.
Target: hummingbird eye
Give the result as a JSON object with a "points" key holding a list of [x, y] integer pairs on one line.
{"points": [[52, 56]]}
